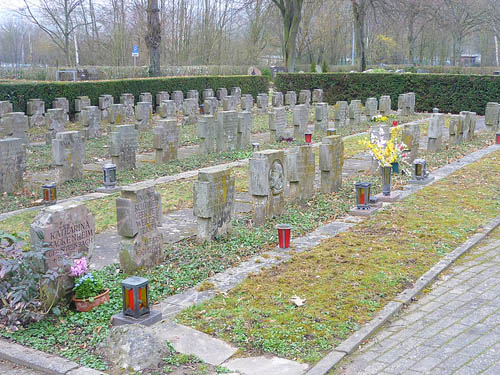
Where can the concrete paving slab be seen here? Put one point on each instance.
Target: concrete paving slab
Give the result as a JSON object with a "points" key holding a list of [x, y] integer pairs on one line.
{"points": [[265, 366]]}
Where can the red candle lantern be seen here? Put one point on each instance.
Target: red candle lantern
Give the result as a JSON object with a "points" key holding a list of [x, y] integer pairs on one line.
{"points": [[497, 138], [363, 190], [394, 123], [308, 138], [135, 296], [284, 234], [49, 192]]}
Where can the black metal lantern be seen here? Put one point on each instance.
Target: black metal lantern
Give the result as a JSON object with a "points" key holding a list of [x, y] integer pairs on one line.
{"points": [[420, 169], [331, 131], [109, 174], [363, 190], [135, 296], [49, 192], [255, 146]]}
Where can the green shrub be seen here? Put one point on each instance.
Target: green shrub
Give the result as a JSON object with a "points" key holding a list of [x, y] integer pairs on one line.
{"points": [[312, 68], [324, 67], [448, 92], [19, 92], [266, 72]]}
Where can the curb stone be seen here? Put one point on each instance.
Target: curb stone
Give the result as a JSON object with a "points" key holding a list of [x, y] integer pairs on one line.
{"points": [[392, 308], [44, 362]]}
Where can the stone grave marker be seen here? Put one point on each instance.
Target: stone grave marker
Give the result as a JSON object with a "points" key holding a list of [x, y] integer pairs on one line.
{"points": [[55, 122], [300, 164], [227, 131], [123, 147], [138, 213], [267, 183], [178, 98], [213, 202], [15, 125], [190, 111], [300, 120], [105, 102], [262, 102], [146, 97], [210, 106], [80, 103], [411, 103], [64, 104], [161, 96], [208, 93], [229, 103], [165, 140], [90, 119], [168, 109], [340, 114], [193, 94], [128, 100], [277, 124], [371, 107], [221, 94], [492, 115], [12, 164], [305, 97], [469, 125], [117, 114], [411, 138], [5, 107], [277, 99], [247, 102], [68, 154], [435, 132], [143, 115], [317, 96], [35, 109], [452, 129], [331, 162], [355, 112], [322, 112], [385, 105], [245, 123], [290, 99], [236, 92], [207, 133]]}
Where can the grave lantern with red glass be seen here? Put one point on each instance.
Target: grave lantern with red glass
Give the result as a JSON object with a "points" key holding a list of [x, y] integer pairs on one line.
{"points": [[135, 296], [363, 195]]}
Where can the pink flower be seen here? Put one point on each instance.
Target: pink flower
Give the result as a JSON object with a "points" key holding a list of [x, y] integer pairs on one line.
{"points": [[79, 268], [394, 123]]}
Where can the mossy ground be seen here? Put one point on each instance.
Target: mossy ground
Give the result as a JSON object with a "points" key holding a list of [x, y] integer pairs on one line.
{"points": [[348, 278]]}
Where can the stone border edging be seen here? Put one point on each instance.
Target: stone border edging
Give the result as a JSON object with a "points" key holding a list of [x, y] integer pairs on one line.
{"points": [[41, 361], [393, 307]]}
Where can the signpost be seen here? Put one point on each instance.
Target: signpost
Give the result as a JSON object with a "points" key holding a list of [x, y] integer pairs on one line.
{"points": [[135, 53]]}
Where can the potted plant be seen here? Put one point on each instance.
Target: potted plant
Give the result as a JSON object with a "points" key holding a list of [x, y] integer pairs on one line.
{"points": [[89, 289]]}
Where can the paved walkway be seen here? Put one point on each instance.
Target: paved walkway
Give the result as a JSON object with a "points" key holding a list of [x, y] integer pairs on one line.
{"points": [[9, 368], [453, 329]]}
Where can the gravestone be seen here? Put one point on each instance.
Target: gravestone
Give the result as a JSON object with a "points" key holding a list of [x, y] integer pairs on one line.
{"points": [[247, 102], [236, 92], [193, 94], [207, 93], [68, 154], [146, 97], [317, 96], [105, 102], [305, 97], [492, 115], [143, 115], [262, 102], [300, 120], [15, 125], [469, 125], [207, 133], [322, 112], [453, 129], [90, 119], [117, 114], [138, 213], [210, 106], [227, 131], [355, 112], [266, 184], [165, 140], [290, 99], [277, 124], [168, 109], [435, 132], [371, 107], [12, 164], [5, 107], [403, 105], [340, 114], [221, 94], [80, 103], [460, 128], [411, 138], [55, 122], [64, 104], [300, 164], [277, 99], [245, 123], [190, 111], [128, 100], [160, 97], [123, 147], [35, 109], [385, 105], [331, 162], [213, 202], [66, 231], [228, 103], [178, 98], [411, 103]]}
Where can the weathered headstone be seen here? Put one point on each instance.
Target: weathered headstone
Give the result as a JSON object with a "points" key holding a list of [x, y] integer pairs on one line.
{"points": [[139, 215], [236, 92], [277, 124], [227, 131], [492, 115], [143, 115], [262, 102], [452, 129], [64, 104], [68, 154], [355, 112], [15, 125], [35, 110], [322, 112], [385, 105], [411, 103], [229, 103], [207, 133], [210, 106], [123, 147], [160, 97], [290, 99], [277, 99], [411, 138], [331, 162], [317, 96], [221, 94], [168, 109], [267, 182], [305, 97], [300, 164], [213, 198], [178, 98], [90, 118], [435, 132], [300, 120], [105, 102], [245, 123], [128, 100], [403, 104], [208, 93], [371, 107], [340, 114], [469, 125], [190, 111], [80, 103], [12, 164], [146, 97], [117, 114], [55, 122], [193, 94], [165, 140], [247, 102], [5, 107]]}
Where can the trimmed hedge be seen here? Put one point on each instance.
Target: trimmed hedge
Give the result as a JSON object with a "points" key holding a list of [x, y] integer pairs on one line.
{"points": [[448, 92], [19, 92]]}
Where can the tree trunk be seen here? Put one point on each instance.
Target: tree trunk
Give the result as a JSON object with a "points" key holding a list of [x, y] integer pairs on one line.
{"points": [[153, 38], [358, 10], [411, 38]]}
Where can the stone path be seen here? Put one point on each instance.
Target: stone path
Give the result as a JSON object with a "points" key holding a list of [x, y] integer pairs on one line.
{"points": [[453, 329], [9, 368]]}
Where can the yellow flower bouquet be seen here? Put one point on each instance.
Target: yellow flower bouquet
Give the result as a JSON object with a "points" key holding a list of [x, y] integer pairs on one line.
{"points": [[386, 154]]}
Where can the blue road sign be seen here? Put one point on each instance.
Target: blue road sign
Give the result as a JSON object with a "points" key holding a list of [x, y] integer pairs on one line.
{"points": [[135, 50]]}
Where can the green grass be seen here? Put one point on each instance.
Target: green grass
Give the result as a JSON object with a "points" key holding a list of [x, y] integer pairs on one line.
{"points": [[348, 278]]}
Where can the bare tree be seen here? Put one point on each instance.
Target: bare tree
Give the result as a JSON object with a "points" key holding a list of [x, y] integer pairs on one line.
{"points": [[153, 38]]}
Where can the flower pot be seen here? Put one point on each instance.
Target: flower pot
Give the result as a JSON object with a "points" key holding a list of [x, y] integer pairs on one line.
{"points": [[386, 180], [84, 305], [395, 167]]}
